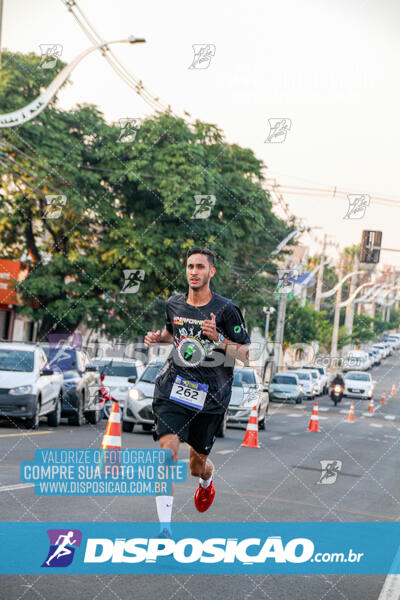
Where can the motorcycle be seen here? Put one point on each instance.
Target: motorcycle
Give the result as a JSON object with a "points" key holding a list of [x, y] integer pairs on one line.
{"points": [[337, 393]]}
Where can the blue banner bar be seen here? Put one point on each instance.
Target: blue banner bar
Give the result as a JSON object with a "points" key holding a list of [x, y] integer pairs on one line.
{"points": [[213, 548]]}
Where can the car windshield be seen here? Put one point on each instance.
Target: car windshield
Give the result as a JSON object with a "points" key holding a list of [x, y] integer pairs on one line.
{"points": [[303, 376], [117, 369], [61, 358], [16, 360], [150, 373], [243, 378], [286, 379], [358, 376]]}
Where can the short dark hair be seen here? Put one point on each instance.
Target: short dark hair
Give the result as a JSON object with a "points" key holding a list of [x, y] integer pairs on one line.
{"points": [[202, 250]]}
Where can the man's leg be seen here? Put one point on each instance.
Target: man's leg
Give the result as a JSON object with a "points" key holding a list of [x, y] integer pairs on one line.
{"points": [[164, 503], [202, 467]]}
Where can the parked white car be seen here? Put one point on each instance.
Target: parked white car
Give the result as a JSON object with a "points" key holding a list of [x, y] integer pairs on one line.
{"points": [[307, 383], [28, 388], [357, 360], [383, 349], [358, 385], [323, 376], [318, 381]]}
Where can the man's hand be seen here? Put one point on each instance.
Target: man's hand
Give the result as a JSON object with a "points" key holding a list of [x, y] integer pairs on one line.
{"points": [[152, 338], [209, 328]]}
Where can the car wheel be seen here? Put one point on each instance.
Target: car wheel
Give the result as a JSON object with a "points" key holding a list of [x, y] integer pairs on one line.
{"points": [[147, 426], [261, 423], [54, 418], [78, 418], [221, 431], [299, 401], [127, 426], [94, 416], [33, 421]]}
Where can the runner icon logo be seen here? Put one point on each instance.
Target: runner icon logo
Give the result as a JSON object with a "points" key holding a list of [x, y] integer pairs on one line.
{"points": [[63, 543], [330, 470]]}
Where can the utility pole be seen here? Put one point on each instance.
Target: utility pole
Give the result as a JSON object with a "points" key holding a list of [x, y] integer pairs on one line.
{"points": [[280, 327], [320, 277], [350, 308], [336, 319]]}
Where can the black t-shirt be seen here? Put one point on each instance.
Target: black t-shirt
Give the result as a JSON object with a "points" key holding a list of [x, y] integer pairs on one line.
{"points": [[194, 356]]}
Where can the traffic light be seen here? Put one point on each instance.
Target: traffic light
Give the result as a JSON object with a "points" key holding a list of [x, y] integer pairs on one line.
{"points": [[371, 242]]}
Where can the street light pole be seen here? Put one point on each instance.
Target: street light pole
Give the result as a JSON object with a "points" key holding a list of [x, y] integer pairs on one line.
{"points": [[336, 319], [320, 278], [31, 110], [350, 308], [279, 331]]}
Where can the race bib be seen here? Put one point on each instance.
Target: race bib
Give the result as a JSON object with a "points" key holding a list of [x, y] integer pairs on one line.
{"points": [[190, 393]]}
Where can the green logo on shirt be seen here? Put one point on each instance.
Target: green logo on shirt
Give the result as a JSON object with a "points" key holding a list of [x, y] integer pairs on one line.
{"points": [[237, 328], [189, 351]]}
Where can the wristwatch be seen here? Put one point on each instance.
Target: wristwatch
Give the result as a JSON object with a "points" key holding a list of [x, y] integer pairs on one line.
{"points": [[221, 339]]}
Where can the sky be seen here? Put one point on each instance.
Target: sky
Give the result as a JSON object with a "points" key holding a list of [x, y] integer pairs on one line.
{"points": [[329, 67]]}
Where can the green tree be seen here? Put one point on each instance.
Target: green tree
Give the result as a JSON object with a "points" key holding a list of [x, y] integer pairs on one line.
{"points": [[128, 206]]}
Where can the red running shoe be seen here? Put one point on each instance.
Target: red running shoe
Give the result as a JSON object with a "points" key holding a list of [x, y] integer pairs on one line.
{"points": [[203, 497]]}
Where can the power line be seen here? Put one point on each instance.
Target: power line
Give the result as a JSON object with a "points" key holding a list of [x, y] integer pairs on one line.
{"points": [[114, 62]]}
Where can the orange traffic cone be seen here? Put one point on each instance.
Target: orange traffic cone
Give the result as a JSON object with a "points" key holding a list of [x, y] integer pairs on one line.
{"points": [[112, 435], [393, 390], [251, 435], [350, 417], [383, 399], [371, 405], [314, 421]]}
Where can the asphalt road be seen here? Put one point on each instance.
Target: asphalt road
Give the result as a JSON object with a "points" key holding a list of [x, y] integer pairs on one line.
{"points": [[277, 482]]}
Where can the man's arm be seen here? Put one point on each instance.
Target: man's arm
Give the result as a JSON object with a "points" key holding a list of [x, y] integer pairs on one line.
{"points": [[158, 337], [239, 351]]}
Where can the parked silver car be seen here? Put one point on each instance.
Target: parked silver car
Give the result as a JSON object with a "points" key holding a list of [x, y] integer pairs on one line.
{"points": [[247, 392], [137, 409], [28, 387]]}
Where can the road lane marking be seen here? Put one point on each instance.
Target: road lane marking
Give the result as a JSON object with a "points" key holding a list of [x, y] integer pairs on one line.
{"points": [[375, 425], [277, 437], [391, 587], [389, 417], [324, 408], [224, 451], [25, 433], [16, 486], [295, 415]]}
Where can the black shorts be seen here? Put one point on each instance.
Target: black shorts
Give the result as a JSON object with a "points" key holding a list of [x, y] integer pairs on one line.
{"points": [[196, 428]]}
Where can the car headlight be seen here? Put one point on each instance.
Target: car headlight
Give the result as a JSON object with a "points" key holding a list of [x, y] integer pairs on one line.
{"points": [[22, 389], [134, 394]]}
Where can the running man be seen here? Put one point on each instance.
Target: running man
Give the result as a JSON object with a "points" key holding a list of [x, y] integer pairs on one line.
{"points": [[62, 549], [193, 388]]}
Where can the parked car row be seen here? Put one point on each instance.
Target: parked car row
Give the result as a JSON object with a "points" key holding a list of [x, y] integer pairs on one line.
{"points": [[44, 380], [363, 360]]}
